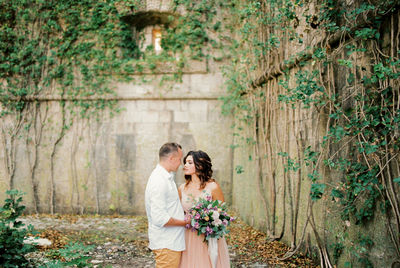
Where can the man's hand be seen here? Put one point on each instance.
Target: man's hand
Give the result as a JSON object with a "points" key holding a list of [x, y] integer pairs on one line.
{"points": [[176, 222]]}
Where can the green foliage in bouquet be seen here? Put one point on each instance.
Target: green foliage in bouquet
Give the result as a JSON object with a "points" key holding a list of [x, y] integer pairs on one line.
{"points": [[209, 218]]}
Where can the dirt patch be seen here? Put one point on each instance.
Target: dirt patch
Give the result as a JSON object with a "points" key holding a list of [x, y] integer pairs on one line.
{"points": [[251, 246], [120, 241]]}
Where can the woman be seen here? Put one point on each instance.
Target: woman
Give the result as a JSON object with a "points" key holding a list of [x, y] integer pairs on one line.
{"points": [[199, 183]]}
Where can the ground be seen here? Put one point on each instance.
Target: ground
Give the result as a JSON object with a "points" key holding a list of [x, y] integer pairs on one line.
{"points": [[121, 241]]}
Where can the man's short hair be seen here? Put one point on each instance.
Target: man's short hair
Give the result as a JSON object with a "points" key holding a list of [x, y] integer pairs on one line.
{"points": [[168, 148]]}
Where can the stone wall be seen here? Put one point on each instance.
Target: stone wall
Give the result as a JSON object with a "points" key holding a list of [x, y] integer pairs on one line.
{"points": [[102, 165], [275, 198]]}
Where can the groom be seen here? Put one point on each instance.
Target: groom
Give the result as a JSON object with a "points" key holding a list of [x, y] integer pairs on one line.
{"points": [[164, 210]]}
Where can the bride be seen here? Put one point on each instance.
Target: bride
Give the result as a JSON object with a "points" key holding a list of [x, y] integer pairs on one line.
{"points": [[199, 183]]}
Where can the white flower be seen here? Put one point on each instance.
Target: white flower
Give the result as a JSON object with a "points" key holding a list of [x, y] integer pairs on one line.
{"points": [[215, 215], [217, 222]]}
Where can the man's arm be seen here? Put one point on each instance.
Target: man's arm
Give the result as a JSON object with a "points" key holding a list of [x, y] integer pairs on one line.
{"points": [[157, 203], [176, 222], [158, 208]]}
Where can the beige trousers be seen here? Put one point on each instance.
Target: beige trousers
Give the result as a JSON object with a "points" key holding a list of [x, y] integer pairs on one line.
{"points": [[167, 258]]}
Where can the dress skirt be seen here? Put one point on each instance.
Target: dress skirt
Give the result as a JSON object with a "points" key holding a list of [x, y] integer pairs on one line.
{"points": [[196, 253]]}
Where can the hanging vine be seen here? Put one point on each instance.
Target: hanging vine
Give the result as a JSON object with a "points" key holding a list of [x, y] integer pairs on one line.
{"points": [[69, 54], [328, 69], [346, 126]]}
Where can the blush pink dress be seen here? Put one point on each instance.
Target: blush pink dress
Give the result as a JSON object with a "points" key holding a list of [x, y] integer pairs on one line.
{"points": [[196, 253]]}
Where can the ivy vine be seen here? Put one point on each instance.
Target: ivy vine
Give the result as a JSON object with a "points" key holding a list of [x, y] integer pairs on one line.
{"points": [[360, 111], [70, 53], [73, 51]]}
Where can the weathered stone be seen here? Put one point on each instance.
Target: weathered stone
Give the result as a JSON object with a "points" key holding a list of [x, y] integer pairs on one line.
{"points": [[37, 241]]}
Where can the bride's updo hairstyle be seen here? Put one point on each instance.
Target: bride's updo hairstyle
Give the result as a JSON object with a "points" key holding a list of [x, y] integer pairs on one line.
{"points": [[202, 163]]}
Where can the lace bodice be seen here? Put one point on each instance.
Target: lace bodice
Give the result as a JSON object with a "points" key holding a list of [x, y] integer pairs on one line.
{"points": [[188, 200]]}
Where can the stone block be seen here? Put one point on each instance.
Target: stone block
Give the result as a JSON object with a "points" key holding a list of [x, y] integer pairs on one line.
{"points": [[142, 105], [131, 89], [185, 105], [158, 5], [173, 105], [198, 117], [201, 83], [130, 114], [181, 117], [156, 105], [214, 115], [197, 106], [148, 116], [165, 116]]}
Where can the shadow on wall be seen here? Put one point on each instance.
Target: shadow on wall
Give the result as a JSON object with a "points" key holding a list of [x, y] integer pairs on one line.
{"points": [[126, 154], [188, 144]]}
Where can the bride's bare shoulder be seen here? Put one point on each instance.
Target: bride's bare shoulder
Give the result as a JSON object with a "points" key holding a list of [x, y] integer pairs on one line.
{"points": [[182, 186], [216, 191], [212, 185]]}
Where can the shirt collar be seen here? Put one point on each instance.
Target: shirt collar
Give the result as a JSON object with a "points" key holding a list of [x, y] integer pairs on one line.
{"points": [[165, 173]]}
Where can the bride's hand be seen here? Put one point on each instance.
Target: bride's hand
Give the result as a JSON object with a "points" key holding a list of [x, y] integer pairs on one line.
{"points": [[188, 220]]}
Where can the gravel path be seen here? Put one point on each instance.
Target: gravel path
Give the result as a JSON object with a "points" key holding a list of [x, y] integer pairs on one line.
{"points": [[118, 241]]}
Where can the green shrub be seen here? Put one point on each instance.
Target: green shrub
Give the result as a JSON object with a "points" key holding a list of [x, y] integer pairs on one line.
{"points": [[74, 254], [12, 232]]}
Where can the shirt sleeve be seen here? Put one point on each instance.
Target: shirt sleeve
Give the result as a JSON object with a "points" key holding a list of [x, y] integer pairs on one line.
{"points": [[158, 202]]}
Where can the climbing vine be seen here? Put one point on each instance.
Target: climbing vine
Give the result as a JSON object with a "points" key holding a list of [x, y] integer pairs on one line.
{"points": [[345, 85], [62, 58], [328, 69]]}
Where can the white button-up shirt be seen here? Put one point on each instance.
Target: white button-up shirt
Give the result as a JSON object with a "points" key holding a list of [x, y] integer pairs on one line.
{"points": [[162, 203]]}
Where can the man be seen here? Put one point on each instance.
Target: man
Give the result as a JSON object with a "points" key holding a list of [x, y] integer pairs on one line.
{"points": [[164, 210]]}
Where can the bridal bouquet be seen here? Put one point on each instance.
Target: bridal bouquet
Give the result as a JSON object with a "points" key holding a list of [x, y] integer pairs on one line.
{"points": [[209, 217]]}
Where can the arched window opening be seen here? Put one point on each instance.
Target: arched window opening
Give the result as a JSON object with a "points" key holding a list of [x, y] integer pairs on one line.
{"points": [[147, 28], [156, 40]]}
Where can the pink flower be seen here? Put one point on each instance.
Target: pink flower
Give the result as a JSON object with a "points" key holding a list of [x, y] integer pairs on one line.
{"points": [[209, 218]]}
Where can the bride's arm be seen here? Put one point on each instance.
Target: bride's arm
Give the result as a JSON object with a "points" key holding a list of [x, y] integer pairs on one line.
{"points": [[180, 192], [216, 192]]}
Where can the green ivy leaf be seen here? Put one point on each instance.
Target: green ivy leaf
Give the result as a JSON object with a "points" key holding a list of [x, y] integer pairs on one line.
{"points": [[337, 193], [317, 190], [239, 169]]}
